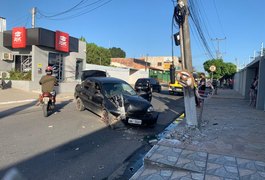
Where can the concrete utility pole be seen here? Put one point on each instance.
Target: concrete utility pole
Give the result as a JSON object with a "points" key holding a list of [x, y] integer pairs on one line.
{"points": [[262, 50], [218, 53], [33, 13], [189, 97]]}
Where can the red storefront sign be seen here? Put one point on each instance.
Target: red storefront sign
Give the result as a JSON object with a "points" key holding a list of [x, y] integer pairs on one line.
{"points": [[19, 37], [62, 41]]}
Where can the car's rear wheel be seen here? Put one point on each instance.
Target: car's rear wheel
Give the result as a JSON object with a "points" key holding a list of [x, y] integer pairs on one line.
{"points": [[80, 105]]}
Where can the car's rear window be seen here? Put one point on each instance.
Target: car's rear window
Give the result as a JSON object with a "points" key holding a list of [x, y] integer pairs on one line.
{"points": [[152, 81]]}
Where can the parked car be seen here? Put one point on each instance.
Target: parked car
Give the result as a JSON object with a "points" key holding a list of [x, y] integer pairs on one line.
{"points": [[114, 99], [175, 88], [155, 85]]}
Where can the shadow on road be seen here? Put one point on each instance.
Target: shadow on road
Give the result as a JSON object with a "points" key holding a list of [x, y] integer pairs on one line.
{"points": [[23, 107], [16, 109], [83, 157]]}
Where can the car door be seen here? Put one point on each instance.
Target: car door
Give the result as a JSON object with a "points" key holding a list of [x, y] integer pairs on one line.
{"points": [[86, 94], [97, 98]]}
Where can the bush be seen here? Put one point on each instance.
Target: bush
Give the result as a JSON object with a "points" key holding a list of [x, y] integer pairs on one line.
{"points": [[16, 75]]}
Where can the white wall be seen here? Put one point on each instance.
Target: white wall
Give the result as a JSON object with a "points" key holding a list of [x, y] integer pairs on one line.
{"points": [[121, 73], [70, 62], [126, 74], [25, 85], [134, 75]]}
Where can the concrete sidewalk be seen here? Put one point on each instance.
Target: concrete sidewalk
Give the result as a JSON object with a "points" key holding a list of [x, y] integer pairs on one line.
{"points": [[229, 145], [12, 96]]}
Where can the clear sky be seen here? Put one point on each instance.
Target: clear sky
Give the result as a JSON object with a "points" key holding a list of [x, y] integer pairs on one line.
{"points": [[143, 27]]}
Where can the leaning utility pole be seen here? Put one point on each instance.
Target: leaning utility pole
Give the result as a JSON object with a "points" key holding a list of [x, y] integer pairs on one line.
{"points": [[33, 13], [218, 56], [189, 95]]}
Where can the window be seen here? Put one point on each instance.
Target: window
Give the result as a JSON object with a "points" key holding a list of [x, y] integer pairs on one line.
{"points": [[159, 64], [56, 61], [23, 63]]}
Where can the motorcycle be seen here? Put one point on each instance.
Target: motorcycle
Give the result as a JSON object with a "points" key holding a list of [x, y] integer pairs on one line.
{"points": [[47, 101]]}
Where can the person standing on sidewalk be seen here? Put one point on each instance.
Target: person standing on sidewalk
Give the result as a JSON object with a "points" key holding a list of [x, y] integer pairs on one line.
{"points": [[201, 88], [253, 92]]}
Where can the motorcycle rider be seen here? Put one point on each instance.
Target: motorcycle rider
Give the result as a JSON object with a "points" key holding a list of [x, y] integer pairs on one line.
{"points": [[48, 82]]}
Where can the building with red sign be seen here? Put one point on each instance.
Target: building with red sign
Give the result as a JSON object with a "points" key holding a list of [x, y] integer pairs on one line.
{"points": [[33, 49]]}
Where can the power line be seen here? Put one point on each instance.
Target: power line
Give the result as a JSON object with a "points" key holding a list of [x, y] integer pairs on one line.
{"points": [[19, 21], [63, 12], [218, 53], [197, 23], [219, 20], [197, 20], [79, 6], [27, 21]]}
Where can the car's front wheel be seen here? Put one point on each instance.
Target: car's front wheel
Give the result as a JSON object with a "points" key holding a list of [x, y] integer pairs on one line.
{"points": [[80, 105], [105, 117]]}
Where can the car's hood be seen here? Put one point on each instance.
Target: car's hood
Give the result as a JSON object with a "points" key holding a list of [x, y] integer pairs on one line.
{"points": [[135, 104]]}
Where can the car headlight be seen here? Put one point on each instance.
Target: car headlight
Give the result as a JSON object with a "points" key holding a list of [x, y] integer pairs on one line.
{"points": [[150, 109]]}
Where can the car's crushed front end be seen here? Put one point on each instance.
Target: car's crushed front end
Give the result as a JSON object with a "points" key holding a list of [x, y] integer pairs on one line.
{"points": [[133, 110]]}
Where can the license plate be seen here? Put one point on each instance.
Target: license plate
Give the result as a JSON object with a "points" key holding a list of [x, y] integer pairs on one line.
{"points": [[134, 121], [46, 100], [177, 89]]}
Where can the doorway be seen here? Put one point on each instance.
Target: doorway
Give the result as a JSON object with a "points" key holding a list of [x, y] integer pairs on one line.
{"points": [[78, 68]]}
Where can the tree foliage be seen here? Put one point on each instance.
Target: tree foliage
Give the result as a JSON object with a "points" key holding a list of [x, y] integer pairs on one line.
{"points": [[82, 39], [222, 69], [97, 55], [117, 52]]}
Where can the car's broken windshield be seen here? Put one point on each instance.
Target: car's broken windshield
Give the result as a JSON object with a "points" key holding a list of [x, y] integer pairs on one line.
{"points": [[111, 89]]}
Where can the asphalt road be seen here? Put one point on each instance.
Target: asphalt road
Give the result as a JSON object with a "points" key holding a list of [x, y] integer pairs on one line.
{"points": [[76, 145]]}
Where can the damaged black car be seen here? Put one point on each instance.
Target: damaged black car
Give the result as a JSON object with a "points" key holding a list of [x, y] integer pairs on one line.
{"points": [[114, 100]]}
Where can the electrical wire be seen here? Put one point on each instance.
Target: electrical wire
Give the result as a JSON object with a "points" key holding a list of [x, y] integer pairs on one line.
{"points": [[196, 19], [84, 12], [27, 21], [79, 6], [19, 21], [218, 16], [63, 12]]}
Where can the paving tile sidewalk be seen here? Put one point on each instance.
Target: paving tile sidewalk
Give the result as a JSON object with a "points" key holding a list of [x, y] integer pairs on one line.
{"points": [[166, 162], [230, 144]]}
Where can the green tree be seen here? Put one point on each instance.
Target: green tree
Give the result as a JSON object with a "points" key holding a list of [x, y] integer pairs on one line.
{"points": [[231, 69], [82, 39], [117, 52], [222, 68], [97, 55]]}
